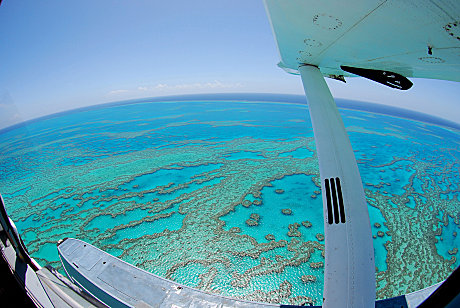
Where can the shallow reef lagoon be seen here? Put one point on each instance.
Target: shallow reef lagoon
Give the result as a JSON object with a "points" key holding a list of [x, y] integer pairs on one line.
{"points": [[223, 194]]}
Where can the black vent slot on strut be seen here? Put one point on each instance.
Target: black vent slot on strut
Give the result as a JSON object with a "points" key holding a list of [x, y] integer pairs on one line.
{"points": [[334, 201], [328, 200]]}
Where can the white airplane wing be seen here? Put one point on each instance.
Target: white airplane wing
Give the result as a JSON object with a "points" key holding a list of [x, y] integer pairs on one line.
{"points": [[414, 38], [385, 41]]}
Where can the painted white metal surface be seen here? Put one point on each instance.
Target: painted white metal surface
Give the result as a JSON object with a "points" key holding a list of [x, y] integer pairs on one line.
{"points": [[390, 35], [119, 284], [349, 274], [414, 299]]}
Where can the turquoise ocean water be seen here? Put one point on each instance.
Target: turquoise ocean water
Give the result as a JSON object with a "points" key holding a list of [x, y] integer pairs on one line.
{"points": [[224, 195]]}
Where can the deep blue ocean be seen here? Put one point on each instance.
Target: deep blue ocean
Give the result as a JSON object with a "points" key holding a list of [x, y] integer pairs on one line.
{"points": [[221, 192]]}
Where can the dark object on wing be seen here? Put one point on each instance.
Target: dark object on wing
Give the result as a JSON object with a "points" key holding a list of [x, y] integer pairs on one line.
{"points": [[390, 79]]}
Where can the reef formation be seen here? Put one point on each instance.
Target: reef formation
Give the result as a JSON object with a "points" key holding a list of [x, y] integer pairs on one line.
{"points": [[230, 205]]}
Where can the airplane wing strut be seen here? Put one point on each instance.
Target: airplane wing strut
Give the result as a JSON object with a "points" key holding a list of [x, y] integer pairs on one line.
{"points": [[349, 274]]}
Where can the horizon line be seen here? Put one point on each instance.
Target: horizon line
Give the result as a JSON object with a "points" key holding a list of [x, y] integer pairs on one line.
{"points": [[342, 103]]}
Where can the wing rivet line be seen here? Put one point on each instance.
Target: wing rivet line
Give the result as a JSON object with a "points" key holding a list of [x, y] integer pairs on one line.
{"points": [[432, 59], [334, 201], [452, 30], [327, 22]]}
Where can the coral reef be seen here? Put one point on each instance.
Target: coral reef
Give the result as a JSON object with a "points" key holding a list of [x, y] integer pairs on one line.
{"points": [[235, 230], [308, 278], [286, 211], [293, 230], [275, 296], [156, 197], [320, 237], [317, 264], [251, 222], [247, 203]]}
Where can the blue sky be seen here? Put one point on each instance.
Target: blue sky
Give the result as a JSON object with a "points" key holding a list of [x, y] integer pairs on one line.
{"points": [[60, 55]]}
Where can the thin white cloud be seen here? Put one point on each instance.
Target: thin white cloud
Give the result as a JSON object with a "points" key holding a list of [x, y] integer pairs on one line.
{"points": [[190, 86], [161, 86], [165, 88], [116, 92]]}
